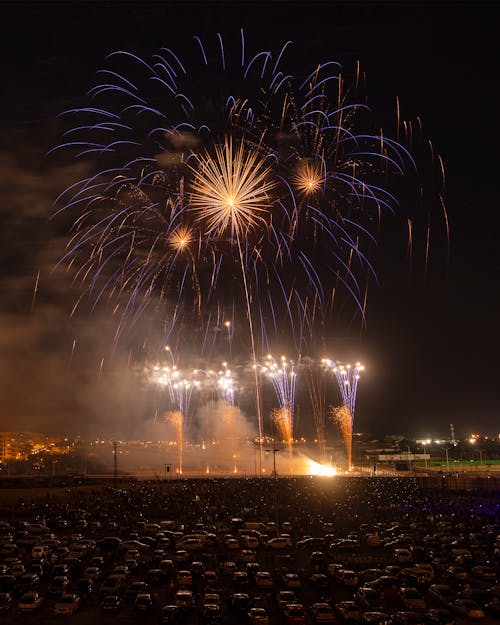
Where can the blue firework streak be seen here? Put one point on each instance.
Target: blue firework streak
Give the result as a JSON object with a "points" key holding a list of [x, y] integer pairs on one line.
{"points": [[347, 378], [158, 132]]}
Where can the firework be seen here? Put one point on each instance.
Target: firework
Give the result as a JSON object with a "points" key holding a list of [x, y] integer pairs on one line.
{"points": [[231, 190], [222, 382], [347, 378], [316, 386], [180, 389], [282, 419], [176, 419], [284, 378], [225, 385], [342, 416], [225, 189], [256, 179]]}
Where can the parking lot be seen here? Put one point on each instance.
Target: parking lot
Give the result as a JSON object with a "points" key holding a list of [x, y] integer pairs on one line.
{"points": [[284, 550]]}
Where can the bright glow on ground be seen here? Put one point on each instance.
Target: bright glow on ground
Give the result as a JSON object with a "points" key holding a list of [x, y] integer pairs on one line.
{"points": [[321, 469]]}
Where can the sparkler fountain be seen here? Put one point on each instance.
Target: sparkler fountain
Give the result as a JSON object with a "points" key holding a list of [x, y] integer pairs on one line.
{"points": [[347, 378], [283, 378], [180, 389]]}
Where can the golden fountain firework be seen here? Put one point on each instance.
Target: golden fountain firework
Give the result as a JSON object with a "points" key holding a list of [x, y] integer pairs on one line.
{"points": [[342, 416], [282, 419], [175, 418]]}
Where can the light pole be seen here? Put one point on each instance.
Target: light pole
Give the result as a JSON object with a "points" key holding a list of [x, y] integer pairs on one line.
{"points": [[447, 459], [275, 451]]}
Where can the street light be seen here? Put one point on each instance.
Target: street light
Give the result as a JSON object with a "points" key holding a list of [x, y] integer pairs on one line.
{"points": [[274, 451]]}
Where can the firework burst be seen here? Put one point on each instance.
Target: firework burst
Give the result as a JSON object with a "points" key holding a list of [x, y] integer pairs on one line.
{"points": [[231, 189], [259, 180]]}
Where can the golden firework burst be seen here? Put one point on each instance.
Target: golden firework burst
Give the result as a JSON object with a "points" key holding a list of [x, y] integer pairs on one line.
{"points": [[308, 178], [231, 189], [181, 238]]}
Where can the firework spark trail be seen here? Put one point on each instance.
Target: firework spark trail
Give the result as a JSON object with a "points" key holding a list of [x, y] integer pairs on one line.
{"points": [[225, 384], [347, 378], [221, 381], [316, 387]]}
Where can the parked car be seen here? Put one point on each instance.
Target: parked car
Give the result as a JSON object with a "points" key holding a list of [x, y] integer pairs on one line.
{"points": [[467, 608], [110, 604], [67, 604], [294, 614], [348, 610], [258, 616], [411, 599], [322, 613], [30, 602]]}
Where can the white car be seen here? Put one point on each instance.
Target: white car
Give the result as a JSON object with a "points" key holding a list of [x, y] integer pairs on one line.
{"points": [[67, 604]]}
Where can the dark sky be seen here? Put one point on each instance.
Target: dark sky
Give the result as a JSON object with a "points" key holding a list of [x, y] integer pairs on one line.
{"points": [[431, 341]]}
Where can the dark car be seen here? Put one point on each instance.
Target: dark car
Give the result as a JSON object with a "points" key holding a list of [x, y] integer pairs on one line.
{"points": [[211, 613], [408, 617], [170, 615], [84, 588], [348, 610], [7, 583], [143, 603], [284, 597], [240, 602], [476, 594], [110, 604], [58, 585], [440, 616], [27, 582], [6, 601], [134, 589]]}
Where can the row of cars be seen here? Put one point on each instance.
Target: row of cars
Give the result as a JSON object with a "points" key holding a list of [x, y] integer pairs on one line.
{"points": [[236, 570]]}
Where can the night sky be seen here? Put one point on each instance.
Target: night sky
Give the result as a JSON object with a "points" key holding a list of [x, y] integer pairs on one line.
{"points": [[431, 341]]}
